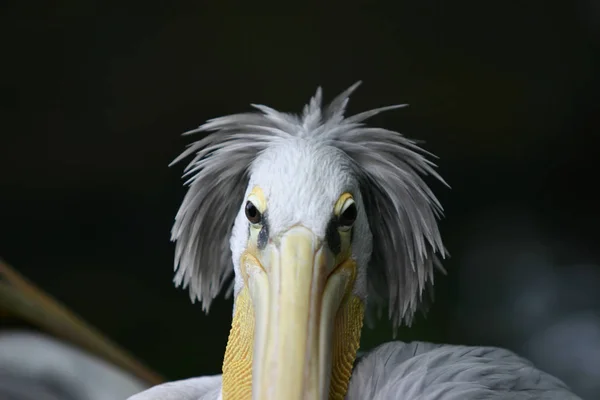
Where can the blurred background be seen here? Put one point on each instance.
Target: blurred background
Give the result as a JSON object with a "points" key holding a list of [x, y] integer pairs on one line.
{"points": [[93, 100]]}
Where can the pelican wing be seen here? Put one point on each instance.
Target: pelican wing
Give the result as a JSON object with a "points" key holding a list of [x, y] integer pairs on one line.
{"points": [[202, 388], [428, 371], [20, 298], [38, 367]]}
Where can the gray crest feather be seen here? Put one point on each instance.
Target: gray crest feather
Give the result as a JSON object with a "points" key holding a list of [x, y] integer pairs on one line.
{"points": [[402, 210]]}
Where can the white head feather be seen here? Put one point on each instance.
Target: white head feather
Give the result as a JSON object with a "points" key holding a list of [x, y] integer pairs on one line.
{"points": [[303, 163]]}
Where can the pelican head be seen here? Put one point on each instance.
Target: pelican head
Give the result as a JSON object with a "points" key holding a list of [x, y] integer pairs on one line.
{"points": [[318, 217]]}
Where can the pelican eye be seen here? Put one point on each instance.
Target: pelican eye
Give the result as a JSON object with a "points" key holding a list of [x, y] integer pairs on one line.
{"points": [[252, 213], [348, 215]]}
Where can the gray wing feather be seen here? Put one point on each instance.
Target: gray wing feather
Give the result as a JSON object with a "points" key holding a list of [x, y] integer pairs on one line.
{"points": [[37, 367], [427, 371], [202, 388]]}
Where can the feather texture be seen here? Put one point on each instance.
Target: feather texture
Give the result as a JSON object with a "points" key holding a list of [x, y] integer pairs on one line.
{"points": [[428, 371], [34, 366], [402, 210], [202, 388]]}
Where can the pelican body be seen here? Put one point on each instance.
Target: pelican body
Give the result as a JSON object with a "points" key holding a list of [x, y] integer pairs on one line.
{"points": [[320, 218]]}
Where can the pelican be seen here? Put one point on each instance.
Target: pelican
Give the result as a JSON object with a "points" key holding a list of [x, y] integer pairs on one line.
{"points": [[319, 218]]}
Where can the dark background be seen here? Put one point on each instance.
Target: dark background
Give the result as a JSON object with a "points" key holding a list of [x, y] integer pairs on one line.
{"points": [[94, 98]]}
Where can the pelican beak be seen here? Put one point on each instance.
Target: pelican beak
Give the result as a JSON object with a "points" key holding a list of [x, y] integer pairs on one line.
{"points": [[306, 323]]}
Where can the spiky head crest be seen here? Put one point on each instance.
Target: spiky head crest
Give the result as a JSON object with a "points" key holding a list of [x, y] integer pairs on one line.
{"points": [[401, 208]]}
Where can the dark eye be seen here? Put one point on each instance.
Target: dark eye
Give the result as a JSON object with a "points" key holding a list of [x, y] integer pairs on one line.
{"points": [[252, 213], [348, 216]]}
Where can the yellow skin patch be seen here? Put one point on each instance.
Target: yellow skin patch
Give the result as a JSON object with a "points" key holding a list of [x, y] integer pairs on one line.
{"points": [[339, 205], [237, 364], [348, 322], [345, 235], [348, 325], [257, 197]]}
